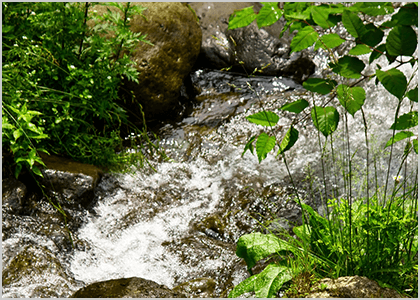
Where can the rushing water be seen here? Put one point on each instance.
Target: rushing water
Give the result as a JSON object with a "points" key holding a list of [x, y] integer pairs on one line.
{"points": [[181, 222]]}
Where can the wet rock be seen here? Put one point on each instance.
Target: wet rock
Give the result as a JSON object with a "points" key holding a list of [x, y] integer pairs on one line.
{"points": [[350, 287], [197, 288], [176, 36], [13, 196], [253, 46], [127, 288], [213, 226], [36, 264], [68, 181]]}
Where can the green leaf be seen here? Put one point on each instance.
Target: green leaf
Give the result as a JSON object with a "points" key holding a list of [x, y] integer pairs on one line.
{"points": [[413, 94], [269, 14], [398, 137], [249, 146], [372, 36], [264, 118], [242, 18], [17, 134], [394, 81], [246, 286], [375, 8], [332, 40], [320, 16], [376, 54], [416, 146], [296, 106], [319, 85], [265, 144], [353, 24], [360, 50], [270, 280], [406, 121], [289, 140], [402, 40], [37, 171], [17, 170], [255, 246], [407, 15], [325, 119], [349, 67], [351, 99], [305, 38]]}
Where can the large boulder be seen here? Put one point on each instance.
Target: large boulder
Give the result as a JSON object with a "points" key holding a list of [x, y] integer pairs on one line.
{"points": [[176, 36], [253, 46], [133, 287], [350, 287]]}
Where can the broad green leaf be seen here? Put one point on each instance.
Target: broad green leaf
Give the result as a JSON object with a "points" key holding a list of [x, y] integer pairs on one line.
{"points": [[249, 146], [242, 18], [398, 137], [265, 144], [296, 106], [394, 81], [320, 16], [268, 14], [375, 8], [416, 145], [402, 40], [407, 15], [332, 40], [325, 119], [256, 246], [270, 280], [372, 36], [360, 50], [351, 99], [349, 67], [413, 94], [37, 171], [289, 140], [246, 286], [377, 52], [305, 38], [264, 118], [353, 24], [406, 121], [17, 133], [319, 85], [265, 284], [17, 170]]}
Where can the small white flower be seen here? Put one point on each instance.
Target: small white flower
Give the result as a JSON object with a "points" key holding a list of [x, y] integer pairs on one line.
{"points": [[128, 19], [73, 67], [16, 45], [397, 179], [33, 13], [109, 77], [24, 37]]}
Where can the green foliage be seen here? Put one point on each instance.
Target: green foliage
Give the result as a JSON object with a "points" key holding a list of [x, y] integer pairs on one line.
{"points": [[365, 236], [325, 119], [61, 80]]}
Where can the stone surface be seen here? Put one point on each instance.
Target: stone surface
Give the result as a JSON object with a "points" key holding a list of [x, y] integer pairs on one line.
{"points": [[197, 288], [13, 195], [351, 287], [173, 29], [68, 181], [253, 46], [127, 288]]}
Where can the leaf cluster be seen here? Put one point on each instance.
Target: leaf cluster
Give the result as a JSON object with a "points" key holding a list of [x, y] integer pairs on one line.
{"points": [[61, 80]]}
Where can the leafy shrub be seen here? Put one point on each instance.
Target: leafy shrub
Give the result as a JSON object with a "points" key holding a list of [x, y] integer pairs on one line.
{"points": [[61, 80], [375, 236]]}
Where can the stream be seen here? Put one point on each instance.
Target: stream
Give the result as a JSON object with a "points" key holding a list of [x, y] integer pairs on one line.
{"points": [[182, 222]]}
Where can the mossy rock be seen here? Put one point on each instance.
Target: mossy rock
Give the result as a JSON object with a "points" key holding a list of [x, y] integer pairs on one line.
{"points": [[133, 287], [176, 36]]}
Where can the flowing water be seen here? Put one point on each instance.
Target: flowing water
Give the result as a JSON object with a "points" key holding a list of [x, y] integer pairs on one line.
{"points": [[181, 222]]}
